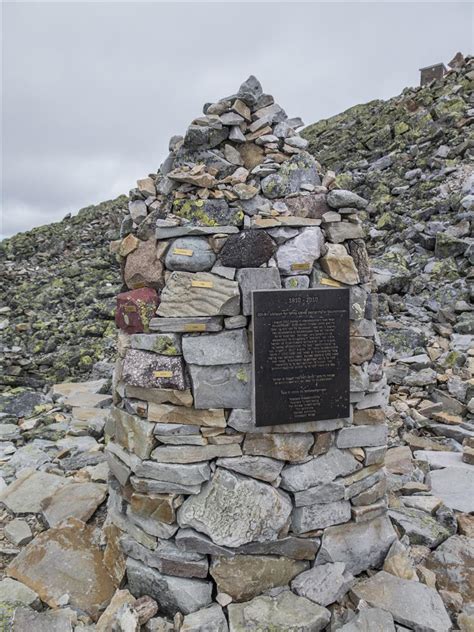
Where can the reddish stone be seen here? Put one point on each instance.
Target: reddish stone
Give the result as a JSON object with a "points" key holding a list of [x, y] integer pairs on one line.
{"points": [[135, 308]]}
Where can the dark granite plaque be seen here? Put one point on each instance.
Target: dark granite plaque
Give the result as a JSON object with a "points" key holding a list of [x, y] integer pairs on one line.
{"points": [[301, 355]]}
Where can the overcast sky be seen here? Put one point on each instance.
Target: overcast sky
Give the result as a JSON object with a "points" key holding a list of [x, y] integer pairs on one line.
{"points": [[92, 92]]}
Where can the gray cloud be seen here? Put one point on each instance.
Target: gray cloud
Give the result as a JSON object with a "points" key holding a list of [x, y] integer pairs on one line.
{"points": [[93, 91]]}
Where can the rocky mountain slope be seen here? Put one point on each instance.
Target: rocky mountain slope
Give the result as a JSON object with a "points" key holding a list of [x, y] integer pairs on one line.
{"points": [[57, 288]]}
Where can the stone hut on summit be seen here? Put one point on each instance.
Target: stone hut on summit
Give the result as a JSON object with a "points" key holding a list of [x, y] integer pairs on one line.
{"points": [[226, 513]]}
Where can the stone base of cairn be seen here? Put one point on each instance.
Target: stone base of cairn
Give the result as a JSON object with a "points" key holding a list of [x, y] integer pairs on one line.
{"points": [[213, 509]]}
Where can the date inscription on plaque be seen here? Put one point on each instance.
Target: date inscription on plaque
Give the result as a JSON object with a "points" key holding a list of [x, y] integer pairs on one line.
{"points": [[301, 355]]}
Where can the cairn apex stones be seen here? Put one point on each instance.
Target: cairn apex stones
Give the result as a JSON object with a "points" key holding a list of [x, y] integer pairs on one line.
{"points": [[135, 309]]}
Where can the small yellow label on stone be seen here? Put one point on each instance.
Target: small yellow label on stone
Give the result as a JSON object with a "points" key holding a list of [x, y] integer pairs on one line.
{"points": [[301, 266], [183, 251], [195, 327], [330, 282], [129, 308], [201, 283], [163, 373]]}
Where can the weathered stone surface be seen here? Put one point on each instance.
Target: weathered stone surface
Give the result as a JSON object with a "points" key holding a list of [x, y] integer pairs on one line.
{"points": [[183, 474], [227, 347], [190, 254], [150, 370], [163, 344], [135, 308], [18, 532], [65, 560], [299, 170], [133, 433], [322, 469], [313, 205], [78, 500], [249, 249], [160, 506], [26, 494], [62, 620], [362, 436], [160, 395], [260, 467], [340, 198], [286, 447], [296, 256], [286, 612], [210, 619], [361, 350], [290, 546], [410, 603], [194, 454], [321, 494], [420, 527], [359, 546], [221, 386], [15, 592], [339, 265], [207, 213], [370, 620], [143, 266], [337, 232], [453, 563], [260, 512], [173, 594], [251, 279], [246, 576], [199, 294], [311, 517], [323, 584], [168, 414], [185, 325], [454, 486]]}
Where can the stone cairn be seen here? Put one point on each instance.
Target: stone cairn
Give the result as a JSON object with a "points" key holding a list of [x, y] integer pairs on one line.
{"points": [[220, 517]]}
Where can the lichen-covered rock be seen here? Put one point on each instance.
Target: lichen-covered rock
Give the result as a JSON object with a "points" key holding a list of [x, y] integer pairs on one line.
{"points": [[259, 512], [211, 213], [249, 249], [299, 170]]}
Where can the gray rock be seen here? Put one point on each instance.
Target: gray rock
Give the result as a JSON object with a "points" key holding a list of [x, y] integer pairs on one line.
{"points": [[362, 436], [210, 619], [284, 612], [18, 532], [337, 232], [311, 517], [260, 467], [250, 91], [370, 620], [204, 137], [191, 254], [163, 344], [296, 256], [323, 584], [454, 486], [173, 594], [194, 453], [221, 386], [199, 294], [359, 546], [26, 494], [15, 592], [301, 169], [340, 198], [62, 620], [251, 279], [419, 527], [410, 603], [78, 500], [320, 494], [150, 370], [182, 474], [292, 547], [168, 232], [298, 282], [227, 347], [320, 470], [259, 512]]}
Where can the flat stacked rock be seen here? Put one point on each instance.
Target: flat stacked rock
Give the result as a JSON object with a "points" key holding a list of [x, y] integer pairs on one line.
{"points": [[213, 509]]}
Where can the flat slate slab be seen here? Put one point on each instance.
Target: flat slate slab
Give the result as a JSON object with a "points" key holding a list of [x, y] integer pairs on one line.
{"points": [[78, 500], [26, 494], [454, 485]]}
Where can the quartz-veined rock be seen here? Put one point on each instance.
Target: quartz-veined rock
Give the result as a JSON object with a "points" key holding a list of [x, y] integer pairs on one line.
{"points": [[199, 294], [150, 370], [251, 279], [297, 255], [173, 594], [359, 546], [322, 469], [410, 603], [227, 347], [311, 517], [248, 249], [260, 467], [246, 576], [285, 611], [259, 512], [286, 447], [221, 386], [190, 254], [324, 584]]}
